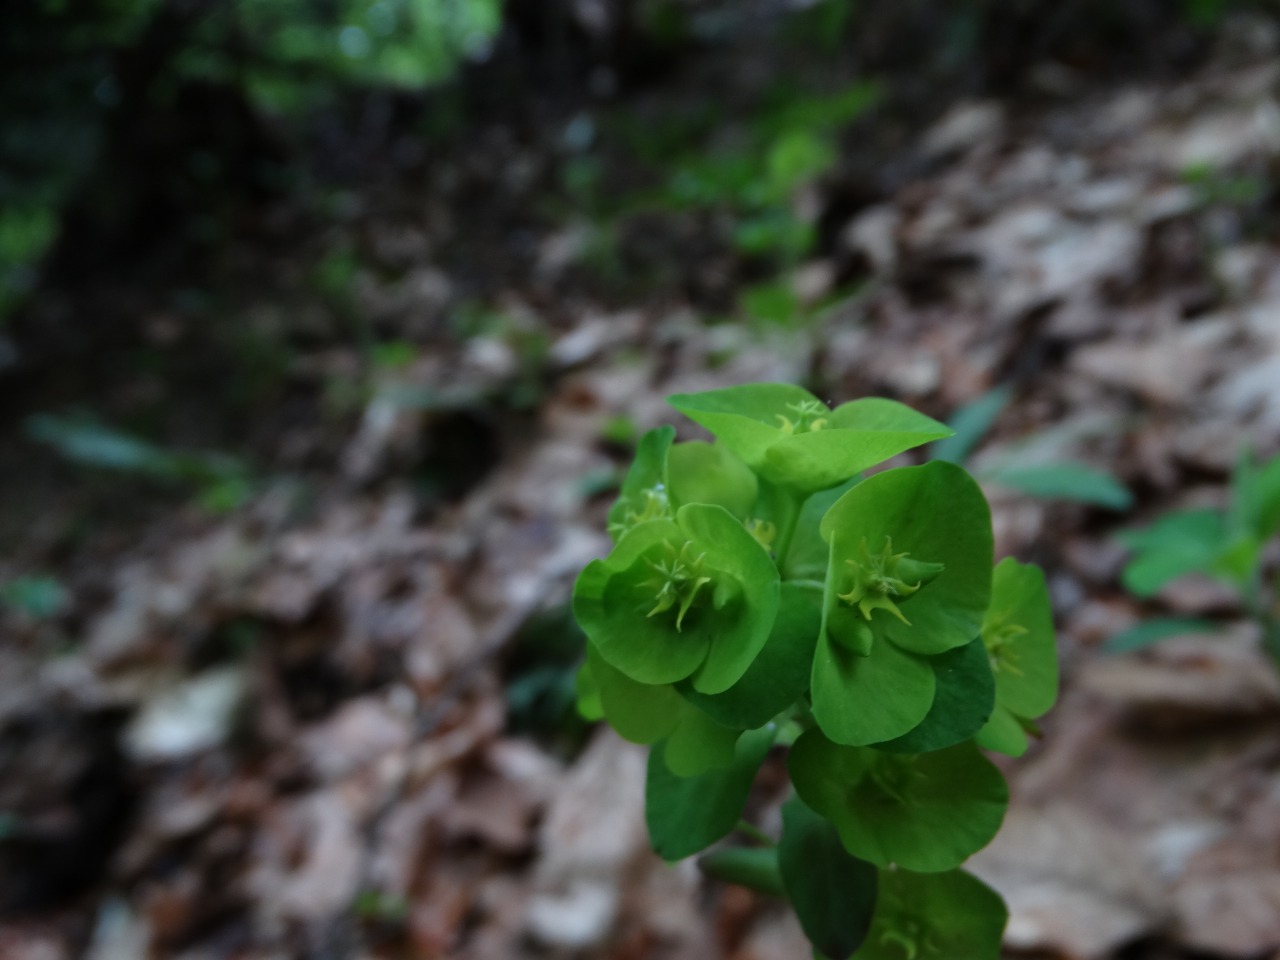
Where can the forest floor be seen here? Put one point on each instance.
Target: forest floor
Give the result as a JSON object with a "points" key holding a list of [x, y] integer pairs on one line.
{"points": [[336, 720]]}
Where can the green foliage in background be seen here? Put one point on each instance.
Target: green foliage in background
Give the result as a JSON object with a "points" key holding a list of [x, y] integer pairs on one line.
{"points": [[742, 169], [1225, 544], [1047, 479], [67, 62], [38, 598], [291, 54], [762, 594], [54, 93], [221, 482]]}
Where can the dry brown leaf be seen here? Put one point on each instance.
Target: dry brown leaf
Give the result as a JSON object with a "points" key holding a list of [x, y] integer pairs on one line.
{"points": [[1186, 680], [593, 831], [1075, 887]]}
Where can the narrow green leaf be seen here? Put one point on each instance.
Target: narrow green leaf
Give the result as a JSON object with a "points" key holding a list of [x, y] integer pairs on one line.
{"points": [[953, 915], [1066, 481], [962, 705], [688, 814], [1148, 632], [971, 423], [43, 597], [833, 892]]}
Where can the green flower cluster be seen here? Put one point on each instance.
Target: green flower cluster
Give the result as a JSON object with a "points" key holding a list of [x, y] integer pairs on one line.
{"points": [[762, 593]]}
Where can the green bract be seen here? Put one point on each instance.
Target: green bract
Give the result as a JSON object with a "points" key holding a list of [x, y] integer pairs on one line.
{"points": [[1018, 635], [924, 812], [921, 915], [909, 577], [793, 439], [644, 491], [763, 596], [694, 596]]}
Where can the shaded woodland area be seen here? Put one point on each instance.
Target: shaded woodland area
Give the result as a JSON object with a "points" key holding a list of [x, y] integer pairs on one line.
{"points": [[327, 331]]}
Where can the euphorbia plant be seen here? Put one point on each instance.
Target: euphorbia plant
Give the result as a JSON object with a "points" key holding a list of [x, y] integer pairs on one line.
{"points": [[761, 595]]}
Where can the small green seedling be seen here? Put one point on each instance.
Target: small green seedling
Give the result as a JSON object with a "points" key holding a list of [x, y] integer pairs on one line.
{"points": [[1226, 545], [762, 594], [1046, 479]]}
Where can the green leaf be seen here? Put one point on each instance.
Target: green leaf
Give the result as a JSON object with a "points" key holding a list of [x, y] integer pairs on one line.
{"points": [[1266, 520], [1238, 560], [698, 744], [587, 694], [953, 915], [1066, 481], [796, 156], [639, 712], [833, 893], [1177, 544], [1003, 734], [755, 868], [934, 514], [971, 423], [779, 676], [771, 302], [926, 812], [1148, 632], [93, 444], [1255, 497], [1018, 633], [688, 814], [701, 473], [43, 597], [860, 700], [644, 494], [962, 705]]}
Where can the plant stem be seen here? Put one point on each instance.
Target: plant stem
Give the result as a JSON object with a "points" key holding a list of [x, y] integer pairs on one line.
{"points": [[1256, 607], [755, 833], [788, 512], [1271, 638]]}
